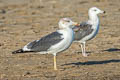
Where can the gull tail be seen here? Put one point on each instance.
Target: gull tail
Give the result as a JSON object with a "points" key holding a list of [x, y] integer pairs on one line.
{"points": [[18, 51]]}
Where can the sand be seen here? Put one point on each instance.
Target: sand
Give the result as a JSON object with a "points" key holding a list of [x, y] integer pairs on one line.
{"points": [[22, 21]]}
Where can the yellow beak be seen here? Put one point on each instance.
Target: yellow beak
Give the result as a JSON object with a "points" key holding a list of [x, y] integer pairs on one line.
{"points": [[76, 24]]}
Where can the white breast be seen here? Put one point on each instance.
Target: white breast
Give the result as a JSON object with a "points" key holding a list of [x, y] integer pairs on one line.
{"points": [[95, 27], [68, 37]]}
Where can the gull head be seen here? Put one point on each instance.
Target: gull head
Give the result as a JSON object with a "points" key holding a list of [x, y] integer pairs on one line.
{"points": [[66, 23], [95, 11]]}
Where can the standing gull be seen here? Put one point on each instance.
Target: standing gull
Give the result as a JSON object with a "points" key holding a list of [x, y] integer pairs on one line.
{"points": [[88, 30], [53, 43]]}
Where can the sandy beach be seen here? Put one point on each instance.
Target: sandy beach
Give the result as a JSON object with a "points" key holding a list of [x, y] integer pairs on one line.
{"points": [[22, 21]]}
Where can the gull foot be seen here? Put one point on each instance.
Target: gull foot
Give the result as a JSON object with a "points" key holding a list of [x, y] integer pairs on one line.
{"points": [[85, 55]]}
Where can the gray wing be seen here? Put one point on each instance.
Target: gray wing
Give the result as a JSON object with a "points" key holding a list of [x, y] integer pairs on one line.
{"points": [[83, 30], [45, 42]]}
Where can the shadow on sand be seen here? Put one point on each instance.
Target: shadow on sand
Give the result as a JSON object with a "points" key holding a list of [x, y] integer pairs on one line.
{"points": [[112, 49], [95, 62]]}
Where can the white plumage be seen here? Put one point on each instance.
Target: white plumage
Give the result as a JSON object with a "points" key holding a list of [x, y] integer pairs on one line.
{"points": [[88, 30], [53, 43]]}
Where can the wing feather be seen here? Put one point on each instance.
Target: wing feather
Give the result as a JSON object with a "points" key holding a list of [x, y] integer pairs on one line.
{"points": [[83, 30], [45, 42]]}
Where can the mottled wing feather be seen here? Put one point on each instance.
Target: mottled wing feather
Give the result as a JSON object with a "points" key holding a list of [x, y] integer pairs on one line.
{"points": [[83, 30], [45, 42]]}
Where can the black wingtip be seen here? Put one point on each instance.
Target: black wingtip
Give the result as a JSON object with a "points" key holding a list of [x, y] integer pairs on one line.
{"points": [[18, 51]]}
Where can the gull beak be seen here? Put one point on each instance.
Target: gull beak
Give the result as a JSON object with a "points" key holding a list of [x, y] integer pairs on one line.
{"points": [[103, 12], [76, 24]]}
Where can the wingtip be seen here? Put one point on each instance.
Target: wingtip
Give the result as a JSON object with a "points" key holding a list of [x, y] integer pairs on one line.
{"points": [[18, 51], [14, 52]]}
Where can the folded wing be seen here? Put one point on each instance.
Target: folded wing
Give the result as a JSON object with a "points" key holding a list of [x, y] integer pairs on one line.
{"points": [[83, 30], [45, 42]]}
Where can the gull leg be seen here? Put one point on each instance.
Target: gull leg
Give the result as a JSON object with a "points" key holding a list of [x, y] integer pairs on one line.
{"points": [[82, 49], [55, 66], [84, 52]]}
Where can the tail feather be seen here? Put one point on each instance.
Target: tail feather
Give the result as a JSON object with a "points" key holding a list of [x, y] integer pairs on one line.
{"points": [[18, 51]]}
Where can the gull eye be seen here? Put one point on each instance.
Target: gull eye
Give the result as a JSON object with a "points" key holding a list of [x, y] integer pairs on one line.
{"points": [[67, 21]]}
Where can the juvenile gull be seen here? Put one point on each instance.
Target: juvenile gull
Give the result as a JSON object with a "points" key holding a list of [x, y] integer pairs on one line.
{"points": [[88, 30], [52, 43]]}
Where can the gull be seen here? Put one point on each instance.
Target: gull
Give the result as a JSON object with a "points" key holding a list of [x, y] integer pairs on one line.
{"points": [[88, 30], [54, 42]]}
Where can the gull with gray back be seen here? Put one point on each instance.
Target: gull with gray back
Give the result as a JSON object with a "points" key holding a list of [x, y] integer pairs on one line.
{"points": [[88, 30], [52, 43]]}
